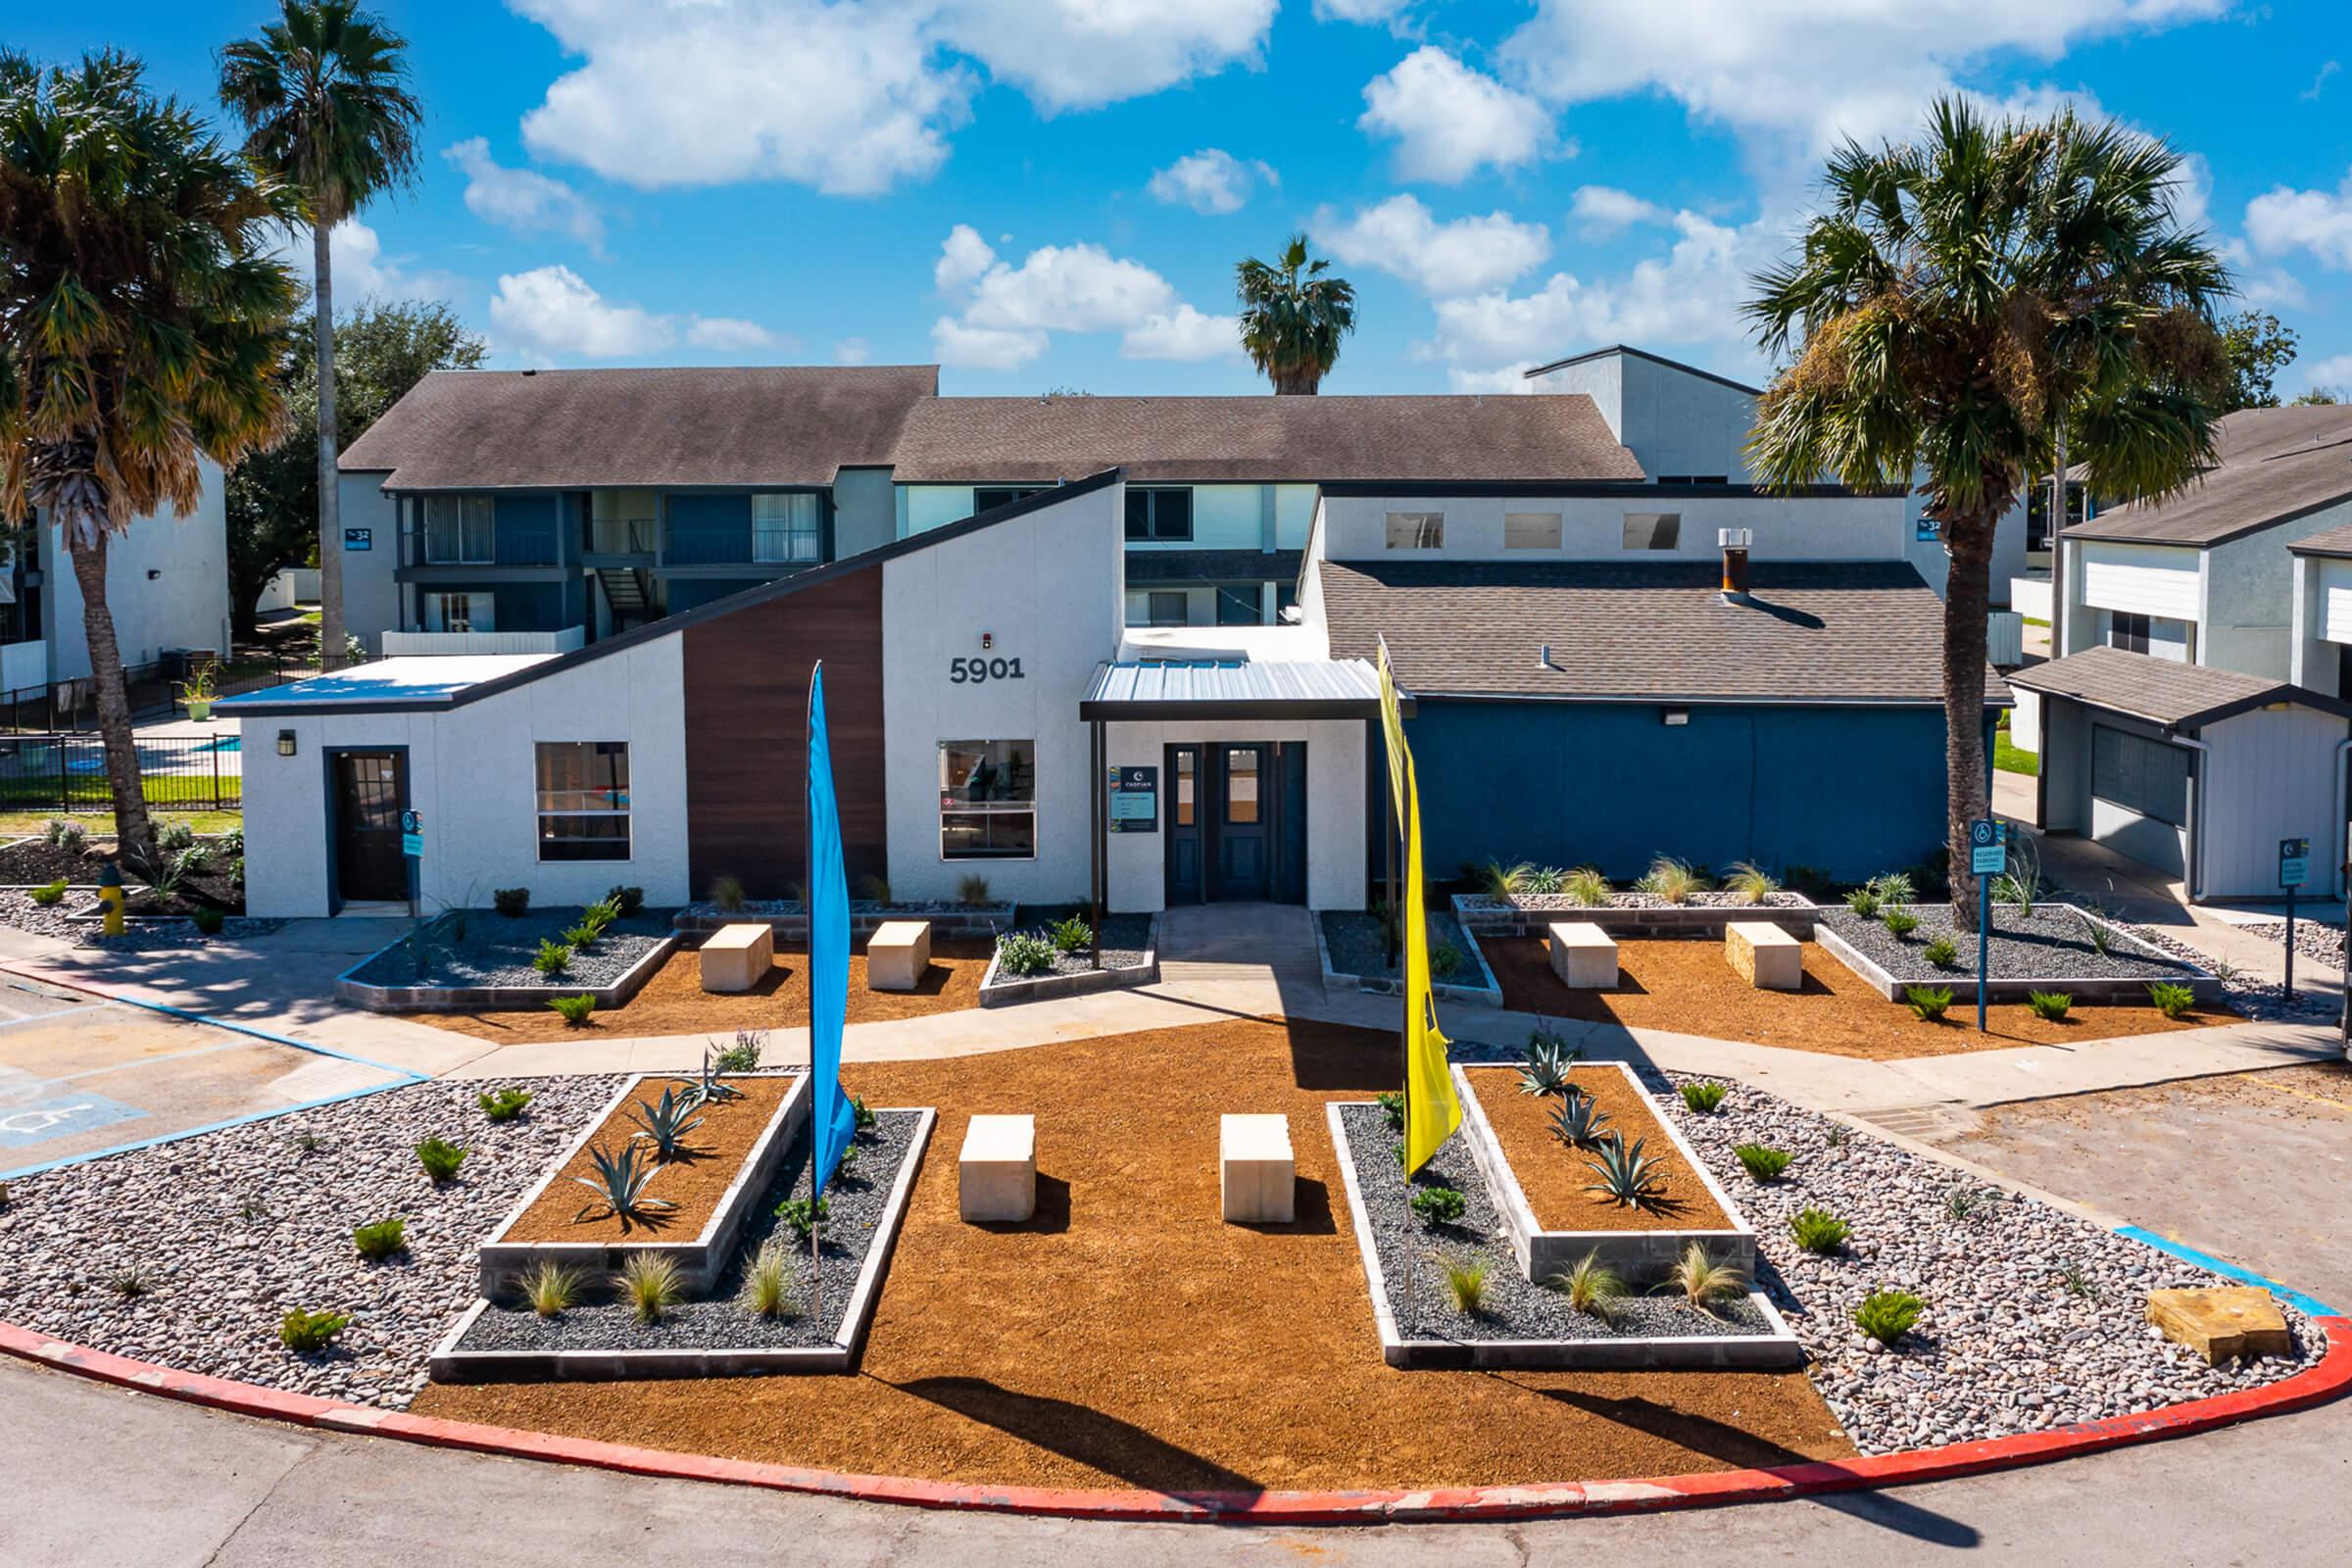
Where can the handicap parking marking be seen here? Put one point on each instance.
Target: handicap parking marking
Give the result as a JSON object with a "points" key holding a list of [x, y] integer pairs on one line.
{"points": [[60, 1116]]}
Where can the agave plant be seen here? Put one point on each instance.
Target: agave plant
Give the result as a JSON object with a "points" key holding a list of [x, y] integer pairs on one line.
{"points": [[1548, 1060], [620, 1183], [667, 1121], [709, 1088], [1628, 1176], [1579, 1123]]}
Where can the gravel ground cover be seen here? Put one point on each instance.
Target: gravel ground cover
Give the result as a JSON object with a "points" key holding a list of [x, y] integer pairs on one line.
{"points": [[2323, 940], [58, 921], [2035, 1318], [1124, 945], [1560, 901], [2248, 994], [1357, 947], [1514, 1308], [483, 947], [855, 1210], [2052, 942], [225, 1231], [769, 908]]}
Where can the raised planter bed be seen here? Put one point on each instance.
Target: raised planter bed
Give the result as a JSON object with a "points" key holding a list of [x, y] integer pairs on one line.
{"points": [[2050, 949], [714, 1336], [746, 1139], [1521, 1324], [1353, 955], [489, 966], [1538, 1181], [1633, 913], [787, 919], [1130, 958], [26, 863]]}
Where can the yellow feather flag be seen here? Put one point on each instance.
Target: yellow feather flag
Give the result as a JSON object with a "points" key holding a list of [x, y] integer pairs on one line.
{"points": [[1431, 1111]]}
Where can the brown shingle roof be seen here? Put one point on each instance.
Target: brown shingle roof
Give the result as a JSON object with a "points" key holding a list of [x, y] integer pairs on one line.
{"points": [[1840, 633], [1262, 439], [2276, 464], [2160, 691], [752, 425]]}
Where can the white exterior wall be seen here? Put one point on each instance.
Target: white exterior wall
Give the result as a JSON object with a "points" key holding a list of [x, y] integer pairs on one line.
{"points": [[1334, 807], [370, 595], [2140, 579], [1592, 528], [472, 773], [2270, 774], [185, 605], [1225, 516], [1049, 587]]}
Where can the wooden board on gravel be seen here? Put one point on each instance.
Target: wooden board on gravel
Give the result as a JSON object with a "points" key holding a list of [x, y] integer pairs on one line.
{"points": [[674, 1002], [1128, 1337], [1555, 1177], [1685, 986], [715, 1152]]}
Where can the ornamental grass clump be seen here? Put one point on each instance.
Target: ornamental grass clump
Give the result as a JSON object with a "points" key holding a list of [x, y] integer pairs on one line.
{"points": [[1888, 1315], [1704, 1283], [1070, 934], [1545, 881], [1929, 1003], [1818, 1231], [441, 1158], [380, 1239], [1587, 887], [1627, 1176], [1675, 881], [651, 1284], [1751, 882], [1504, 882], [1466, 1282], [550, 1287], [574, 1010], [727, 895], [1591, 1286], [2051, 1007], [1762, 1161], [972, 891], [768, 1284], [1705, 1095]]}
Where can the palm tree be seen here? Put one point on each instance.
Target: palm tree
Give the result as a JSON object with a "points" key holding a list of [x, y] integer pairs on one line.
{"points": [[1956, 310], [138, 308], [1293, 317], [322, 94]]}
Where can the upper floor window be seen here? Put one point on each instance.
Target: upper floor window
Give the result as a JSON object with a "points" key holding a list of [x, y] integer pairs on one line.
{"points": [[1694, 478], [1531, 530], [2037, 511], [788, 526], [1159, 515], [460, 530], [583, 800], [987, 498], [1653, 531], [1416, 530]]}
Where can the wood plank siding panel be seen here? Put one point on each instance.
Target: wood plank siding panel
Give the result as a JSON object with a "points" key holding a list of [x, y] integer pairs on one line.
{"points": [[746, 705]]}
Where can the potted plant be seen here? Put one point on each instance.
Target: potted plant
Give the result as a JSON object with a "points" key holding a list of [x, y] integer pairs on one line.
{"points": [[197, 693]]}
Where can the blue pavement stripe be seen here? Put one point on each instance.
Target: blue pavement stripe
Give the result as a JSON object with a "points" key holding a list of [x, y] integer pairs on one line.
{"points": [[2293, 1298], [404, 1074], [209, 1127]]}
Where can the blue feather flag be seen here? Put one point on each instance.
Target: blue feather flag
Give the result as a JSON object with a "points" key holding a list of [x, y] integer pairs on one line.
{"points": [[828, 947]]}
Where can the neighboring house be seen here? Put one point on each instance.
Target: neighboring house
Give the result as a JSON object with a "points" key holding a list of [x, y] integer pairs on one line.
{"points": [[536, 511]]}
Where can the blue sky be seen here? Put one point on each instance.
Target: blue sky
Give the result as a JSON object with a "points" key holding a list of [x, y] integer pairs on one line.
{"points": [[1042, 193]]}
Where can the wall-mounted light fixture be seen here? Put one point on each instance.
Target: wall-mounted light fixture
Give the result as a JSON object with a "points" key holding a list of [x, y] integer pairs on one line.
{"points": [[1675, 717], [988, 639], [286, 743]]}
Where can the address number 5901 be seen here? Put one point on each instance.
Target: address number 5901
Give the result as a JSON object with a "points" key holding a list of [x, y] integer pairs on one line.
{"points": [[979, 672]]}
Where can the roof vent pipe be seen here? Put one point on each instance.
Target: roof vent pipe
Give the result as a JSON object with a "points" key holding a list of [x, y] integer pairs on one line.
{"points": [[1734, 542], [1543, 656]]}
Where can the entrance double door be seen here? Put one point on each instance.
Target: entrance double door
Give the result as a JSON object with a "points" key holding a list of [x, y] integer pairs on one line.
{"points": [[1236, 818]]}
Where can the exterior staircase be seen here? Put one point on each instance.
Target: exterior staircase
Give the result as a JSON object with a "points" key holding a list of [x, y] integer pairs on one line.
{"points": [[627, 594]]}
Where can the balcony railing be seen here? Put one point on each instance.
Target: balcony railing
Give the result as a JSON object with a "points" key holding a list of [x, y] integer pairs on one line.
{"points": [[633, 537], [409, 644], [693, 546]]}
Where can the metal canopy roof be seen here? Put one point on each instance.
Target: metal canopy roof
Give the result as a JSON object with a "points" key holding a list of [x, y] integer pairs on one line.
{"points": [[1338, 688]]}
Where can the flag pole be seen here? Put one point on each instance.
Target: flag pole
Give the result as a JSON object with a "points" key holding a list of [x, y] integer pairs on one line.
{"points": [[816, 1285]]}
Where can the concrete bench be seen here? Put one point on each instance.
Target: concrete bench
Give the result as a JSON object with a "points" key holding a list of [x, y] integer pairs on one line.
{"points": [[1767, 957], [1256, 1177], [1583, 956], [736, 956], [897, 955], [996, 1172]]}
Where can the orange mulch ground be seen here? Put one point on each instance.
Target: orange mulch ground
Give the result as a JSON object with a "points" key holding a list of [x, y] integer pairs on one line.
{"points": [[1555, 1178], [1687, 986], [1127, 1337], [714, 1153], [674, 1002]]}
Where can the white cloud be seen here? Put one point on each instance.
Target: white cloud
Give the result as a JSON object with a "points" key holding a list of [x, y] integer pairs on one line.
{"points": [[1369, 13], [521, 199], [1605, 209], [1182, 334], [962, 259], [362, 268], [853, 351], [848, 96], [1442, 260], [1004, 315], [552, 313], [729, 334], [2313, 220], [984, 348], [2334, 373], [1449, 121], [1210, 182]]}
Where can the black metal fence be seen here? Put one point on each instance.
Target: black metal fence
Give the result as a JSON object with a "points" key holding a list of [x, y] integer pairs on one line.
{"points": [[158, 690], [67, 773]]}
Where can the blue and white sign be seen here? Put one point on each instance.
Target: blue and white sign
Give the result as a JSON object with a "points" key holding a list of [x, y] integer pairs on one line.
{"points": [[412, 834], [359, 539], [1988, 853], [2294, 862]]}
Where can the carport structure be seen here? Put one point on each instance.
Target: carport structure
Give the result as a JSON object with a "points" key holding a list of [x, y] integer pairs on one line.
{"points": [[2198, 772]]}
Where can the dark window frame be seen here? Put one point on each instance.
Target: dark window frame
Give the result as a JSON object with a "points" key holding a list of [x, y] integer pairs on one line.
{"points": [[1147, 514], [568, 829]]}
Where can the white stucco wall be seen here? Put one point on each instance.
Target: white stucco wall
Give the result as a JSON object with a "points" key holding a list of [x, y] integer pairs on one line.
{"points": [[1592, 528], [1334, 807], [2270, 774], [2140, 579], [183, 604]]}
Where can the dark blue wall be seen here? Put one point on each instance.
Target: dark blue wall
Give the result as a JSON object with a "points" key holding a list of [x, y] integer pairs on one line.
{"points": [[526, 530], [1853, 790], [708, 529]]}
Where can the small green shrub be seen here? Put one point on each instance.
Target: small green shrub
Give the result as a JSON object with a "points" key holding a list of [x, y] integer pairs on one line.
{"points": [[1445, 960], [744, 1055], [1751, 882], [132, 1284], [1546, 880], [1763, 1161], [1625, 1175], [727, 895], [53, 831], [1864, 903], [1817, 1229], [550, 1287], [2173, 1001], [800, 1219], [174, 835], [625, 901], [1070, 934], [208, 920], [2078, 1280], [503, 1105], [306, 1333], [1437, 1205], [768, 1285], [1466, 1280], [512, 903], [1392, 1109], [1894, 887], [972, 891], [1587, 887], [1592, 1288], [650, 1283], [2050, 1005], [554, 957], [1705, 1095], [1023, 954], [1703, 1282], [573, 1011], [441, 1158], [1888, 1315], [1675, 881], [581, 937], [1929, 1003], [50, 893], [1941, 952], [1899, 922], [1963, 1201], [380, 1239], [862, 1115]]}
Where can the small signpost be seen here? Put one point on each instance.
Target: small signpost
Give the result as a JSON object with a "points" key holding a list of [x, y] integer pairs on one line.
{"points": [[2294, 870], [1987, 857], [412, 849]]}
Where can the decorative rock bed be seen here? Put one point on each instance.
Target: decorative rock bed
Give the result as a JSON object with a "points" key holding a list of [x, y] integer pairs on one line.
{"points": [[2250, 995], [75, 919], [478, 959], [1633, 914], [1130, 958], [1354, 954], [788, 919], [2050, 949]]}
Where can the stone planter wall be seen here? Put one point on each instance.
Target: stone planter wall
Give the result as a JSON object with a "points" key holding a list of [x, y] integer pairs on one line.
{"points": [[1479, 989], [493, 999], [1001, 993]]}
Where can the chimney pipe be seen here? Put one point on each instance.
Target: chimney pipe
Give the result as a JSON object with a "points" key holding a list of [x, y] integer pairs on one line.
{"points": [[1543, 656], [1734, 542]]}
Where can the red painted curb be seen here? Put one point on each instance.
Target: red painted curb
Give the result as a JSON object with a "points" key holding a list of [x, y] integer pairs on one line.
{"points": [[2314, 1386]]}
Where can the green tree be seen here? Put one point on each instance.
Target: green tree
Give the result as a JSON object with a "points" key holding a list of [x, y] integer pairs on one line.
{"points": [[1957, 309], [2321, 397], [2258, 346], [1293, 317], [322, 94], [139, 303], [381, 351]]}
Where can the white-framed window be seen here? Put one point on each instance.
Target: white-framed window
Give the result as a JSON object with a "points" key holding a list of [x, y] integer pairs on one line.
{"points": [[1531, 530], [583, 800], [987, 800], [461, 610], [459, 531], [1653, 531], [1416, 530], [788, 526]]}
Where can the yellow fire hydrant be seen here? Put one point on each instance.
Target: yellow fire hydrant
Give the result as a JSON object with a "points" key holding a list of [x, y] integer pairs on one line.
{"points": [[110, 896]]}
